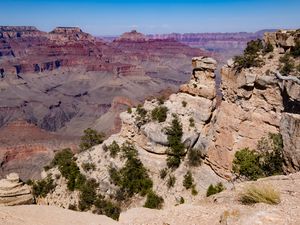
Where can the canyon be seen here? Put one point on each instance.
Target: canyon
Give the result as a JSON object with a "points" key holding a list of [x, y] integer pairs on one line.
{"points": [[257, 101], [57, 84]]}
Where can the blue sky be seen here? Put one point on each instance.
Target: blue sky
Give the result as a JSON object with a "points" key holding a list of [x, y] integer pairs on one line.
{"points": [[117, 16]]}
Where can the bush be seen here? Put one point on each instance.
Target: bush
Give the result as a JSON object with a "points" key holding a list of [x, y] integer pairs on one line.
{"points": [[250, 56], [129, 110], [90, 138], [73, 207], [287, 64], [153, 201], [194, 157], [176, 147], [133, 177], [184, 103], [141, 119], [114, 149], [267, 162], [295, 51], [214, 189], [88, 166], [271, 148], [163, 173], [246, 163], [268, 48], [159, 113], [68, 168], [42, 187], [194, 191], [192, 122], [161, 99], [260, 193], [87, 194], [181, 201], [188, 180], [106, 207], [171, 181]]}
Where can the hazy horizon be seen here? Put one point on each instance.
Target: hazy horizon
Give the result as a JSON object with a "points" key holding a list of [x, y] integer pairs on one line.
{"points": [[110, 18]]}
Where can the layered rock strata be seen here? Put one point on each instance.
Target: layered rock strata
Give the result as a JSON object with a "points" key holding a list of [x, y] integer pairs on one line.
{"points": [[14, 192]]}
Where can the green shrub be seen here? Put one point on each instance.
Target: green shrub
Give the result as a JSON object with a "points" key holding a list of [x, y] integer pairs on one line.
{"points": [[133, 177], [194, 157], [181, 201], [159, 113], [250, 56], [188, 180], [129, 110], [176, 147], [87, 194], [163, 173], [287, 64], [114, 149], [214, 189], [295, 51], [192, 122], [171, 181], [194, 191], [106, 207], [253, 47], [267, 161], [141, 118], [161, 99], [184, 103], [73, 207], [153, 201], [88, 166], [42, 187], [246, 163], [90, 138], [260, 193], [271, 148], [68, 168], [268, 48]]}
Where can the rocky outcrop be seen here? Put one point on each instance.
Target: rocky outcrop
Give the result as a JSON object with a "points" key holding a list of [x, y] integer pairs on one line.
{"points": [[290, 130], [223, 208], [14, 192]]}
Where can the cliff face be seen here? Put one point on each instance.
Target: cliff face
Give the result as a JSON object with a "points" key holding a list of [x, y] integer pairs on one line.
{"points": [[257, 101]]}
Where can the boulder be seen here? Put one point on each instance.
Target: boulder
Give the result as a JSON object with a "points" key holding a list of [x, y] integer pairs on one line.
{"points": [[14, 192]]}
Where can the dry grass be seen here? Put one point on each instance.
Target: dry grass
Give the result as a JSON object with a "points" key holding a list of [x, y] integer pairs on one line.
{"points": [[257, 193]]}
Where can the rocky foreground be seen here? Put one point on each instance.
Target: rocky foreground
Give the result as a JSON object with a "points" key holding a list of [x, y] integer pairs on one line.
{"points": [[223, 208]]}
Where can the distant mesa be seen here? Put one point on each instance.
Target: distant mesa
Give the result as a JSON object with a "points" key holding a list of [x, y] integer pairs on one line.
{"points": [[132, 36]]}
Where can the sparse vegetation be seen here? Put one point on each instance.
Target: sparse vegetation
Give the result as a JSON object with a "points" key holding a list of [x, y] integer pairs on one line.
{"points": [[141, 118], [287, 64], [260, 193], [161, 99], [87, 194], [267, 161], [188, 180], [106, 207], [250, 57], [194, 157], [154, 201], [88, 166], [295, 51], [73, 207], [90, 138], [176, 147], [133, 177], [159, 113], [163, 173], [194, 191], [184, 103], [214, 189], [114, 149], [181, 201], [129, 110], [171, 181], [192, 122], [42, 187], [268, 48]]}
